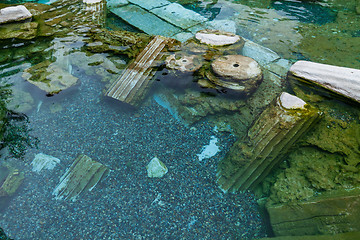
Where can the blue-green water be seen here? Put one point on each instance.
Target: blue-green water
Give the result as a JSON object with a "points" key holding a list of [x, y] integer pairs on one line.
{"points": [[187, 202]]}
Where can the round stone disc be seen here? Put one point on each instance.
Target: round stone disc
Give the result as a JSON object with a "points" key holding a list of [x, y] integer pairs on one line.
{"points": [[236, 68]]}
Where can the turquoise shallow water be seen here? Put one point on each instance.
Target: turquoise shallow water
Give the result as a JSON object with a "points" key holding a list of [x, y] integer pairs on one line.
{"points": [[184, 204]]}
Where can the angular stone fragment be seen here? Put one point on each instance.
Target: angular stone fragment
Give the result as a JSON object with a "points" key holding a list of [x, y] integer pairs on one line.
{"points": [[329, 213], [156, 168], [12, 14], [340, 80], [11, 183], [217, 38], [81, 176], [236, 72], [251, 159], [43, 161]]}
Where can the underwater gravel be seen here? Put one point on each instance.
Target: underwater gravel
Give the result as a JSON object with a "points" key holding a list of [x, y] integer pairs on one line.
{"points": [[185, 204]]}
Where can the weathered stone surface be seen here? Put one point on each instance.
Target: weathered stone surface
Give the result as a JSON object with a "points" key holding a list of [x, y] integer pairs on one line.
{"points": [[49, 77], [11, 183], [11, 14], [279, 67], [251, 159], [145, 21], [43, 161], [340, 80], [179, 16], [217, 38], [116, 3], [156, 168], [92, 1], [148, 5], [340, 236], [19, 30], [236, 72], [328, 213], [81, 176], [132, 85], [184, 63], [259, 53]]}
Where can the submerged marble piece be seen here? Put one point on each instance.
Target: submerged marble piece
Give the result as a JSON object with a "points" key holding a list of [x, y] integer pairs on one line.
{"points": [[328, 213], [236, 72], [49, 77], [216, 37], [81, 176], [11, 183], [11, 14], [340, 80], [156, 168], [251, 159], [179, 16], [43, 161], [209, 150], [132, 85], [148, 5], [259, 53]]}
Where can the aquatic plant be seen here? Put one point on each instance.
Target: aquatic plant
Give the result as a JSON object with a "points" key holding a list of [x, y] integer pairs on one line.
{"points": [[14, 130]]}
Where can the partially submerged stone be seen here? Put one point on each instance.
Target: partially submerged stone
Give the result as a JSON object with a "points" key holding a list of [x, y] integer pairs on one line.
{"points": [[217, 38], [251, 159], [26, 30], [92, 1], [81, 176], [12, 14], [156, 168], [329, 213], [236, 72], [184, 63], [340, 80], [49, 77], [43, 161], [11, 183]]}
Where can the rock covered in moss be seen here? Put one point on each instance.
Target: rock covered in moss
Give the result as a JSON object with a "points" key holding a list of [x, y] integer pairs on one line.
{"points": [[12, 14], [11, 183], [49, 77]]}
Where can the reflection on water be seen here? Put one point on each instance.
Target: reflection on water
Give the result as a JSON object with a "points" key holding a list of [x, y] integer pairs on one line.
{"points": [[190, 124]]}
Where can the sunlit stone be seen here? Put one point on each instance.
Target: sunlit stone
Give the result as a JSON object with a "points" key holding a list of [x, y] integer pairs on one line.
{"points": [[216, 37], [11, 14], [289, 101], [156, 168]]}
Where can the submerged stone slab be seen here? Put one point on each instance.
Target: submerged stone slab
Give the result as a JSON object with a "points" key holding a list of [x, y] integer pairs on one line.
{"points": [[251, 159], [328, 213], [145, 21], [12, 14], [81, 176], [179, 16], [43, 161], [132, 85], [261, 54], [148, 5], [116, 3], [11, 183], [340, 80]]}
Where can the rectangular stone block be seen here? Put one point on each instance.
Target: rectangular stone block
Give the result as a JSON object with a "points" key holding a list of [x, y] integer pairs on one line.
{"points": [[148, 5], [339, 80], [179, 16], [145, 21], [330, 213], [259, 53]]}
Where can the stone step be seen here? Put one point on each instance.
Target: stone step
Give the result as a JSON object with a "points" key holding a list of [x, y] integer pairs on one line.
{"points": [[145, 21], [136, 79], [329, 213], [340, 80], [81, 176], [251, 159]]}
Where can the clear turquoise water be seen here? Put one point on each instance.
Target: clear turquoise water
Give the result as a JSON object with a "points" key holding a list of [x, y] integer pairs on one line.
{"points": [[185, 204]]}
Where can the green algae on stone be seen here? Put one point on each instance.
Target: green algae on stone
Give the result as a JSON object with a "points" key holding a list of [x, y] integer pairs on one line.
{"points": [[11, 183], [268, 140], [120, 42]]}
